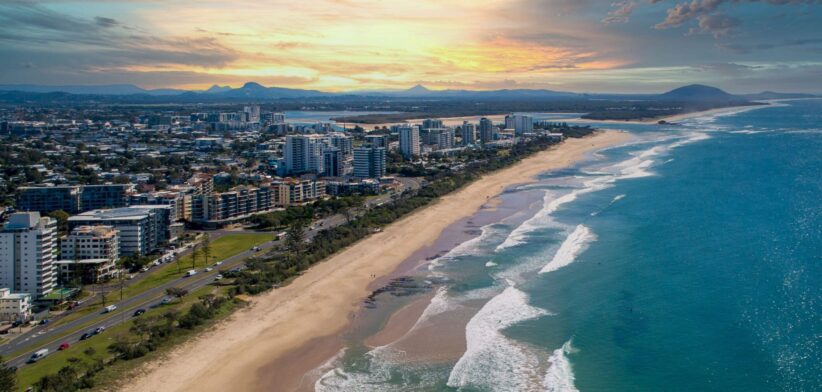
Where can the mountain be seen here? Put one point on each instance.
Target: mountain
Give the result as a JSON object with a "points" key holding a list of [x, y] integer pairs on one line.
{"points": [[106, 89], [217, 89], [697, 92], [252, 90], [774, 95]]}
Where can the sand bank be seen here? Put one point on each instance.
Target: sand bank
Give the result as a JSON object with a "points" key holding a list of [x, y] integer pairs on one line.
{"points": [[236, 355]]}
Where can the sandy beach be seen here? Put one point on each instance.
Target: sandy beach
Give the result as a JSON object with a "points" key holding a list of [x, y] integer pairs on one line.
{"points": [[301, 321], [675, 118]]}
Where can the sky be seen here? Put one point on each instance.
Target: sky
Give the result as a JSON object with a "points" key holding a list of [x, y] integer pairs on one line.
{"points": [[346, 45]]}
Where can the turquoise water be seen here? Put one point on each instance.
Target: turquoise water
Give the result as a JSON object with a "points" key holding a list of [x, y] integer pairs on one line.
{"points": [[688, 260]]}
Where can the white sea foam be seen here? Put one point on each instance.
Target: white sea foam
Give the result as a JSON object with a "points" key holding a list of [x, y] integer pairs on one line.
{"points": [[550, 205], [560, 375], [439, 304], [491, 360], [618, 198], [490, 264], [576, 242]]}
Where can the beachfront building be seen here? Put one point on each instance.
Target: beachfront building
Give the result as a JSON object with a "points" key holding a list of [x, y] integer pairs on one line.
{"points": [[142, 229], [292, 191], [178, 201], [14, 306], [89, 253], [218, 209], [468, 133], [431, 123], [520, 123], [369, 162], [304, 154], [486, 130], [409, 141], [28, 247]]}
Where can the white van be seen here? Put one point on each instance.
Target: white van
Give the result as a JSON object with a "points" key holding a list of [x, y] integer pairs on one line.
{"points": [[39, 354], [191, 273], [109, 309]]}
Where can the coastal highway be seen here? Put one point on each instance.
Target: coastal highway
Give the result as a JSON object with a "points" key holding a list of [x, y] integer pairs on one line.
{"points": [[51, 338]]}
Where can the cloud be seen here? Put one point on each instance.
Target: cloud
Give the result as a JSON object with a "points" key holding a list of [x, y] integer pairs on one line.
{"points": [[718, 25], [105, 22], [623, 11], [703, 9]]}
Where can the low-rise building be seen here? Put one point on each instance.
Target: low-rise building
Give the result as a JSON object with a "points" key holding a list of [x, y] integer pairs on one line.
{"points": [[89, 254], [142, 228], [14, 306]]}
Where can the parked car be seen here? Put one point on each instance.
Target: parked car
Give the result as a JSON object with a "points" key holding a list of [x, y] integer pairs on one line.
{"points": [[218, 277], [63, 346], [209, 269], [139, 312], [44, 321]]}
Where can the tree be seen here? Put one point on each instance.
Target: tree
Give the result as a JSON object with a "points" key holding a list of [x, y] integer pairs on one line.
{"points": [[206, 246], [8, 377], [62, 219], [178, 292], [295, 236], [194, 256]]}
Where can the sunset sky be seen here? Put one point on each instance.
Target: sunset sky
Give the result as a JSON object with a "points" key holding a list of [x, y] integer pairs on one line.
{"points": [[342, 45]]}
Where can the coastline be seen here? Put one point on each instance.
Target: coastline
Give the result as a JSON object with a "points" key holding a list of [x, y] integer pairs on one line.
{"points": [[238, 352], [677, 117]]}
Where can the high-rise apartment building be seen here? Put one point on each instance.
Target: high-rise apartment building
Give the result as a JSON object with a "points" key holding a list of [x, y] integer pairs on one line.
{"points": [[304, 154], [486, 130], [28, 247], [409, 141], [369, 162]]}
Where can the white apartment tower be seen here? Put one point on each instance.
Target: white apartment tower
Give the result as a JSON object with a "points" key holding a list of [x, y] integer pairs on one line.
{"points": [[28, 247], [409, 141], [304, 154]]}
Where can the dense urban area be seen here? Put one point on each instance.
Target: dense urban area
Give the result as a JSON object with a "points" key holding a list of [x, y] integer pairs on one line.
{"points": [[126, 230]]}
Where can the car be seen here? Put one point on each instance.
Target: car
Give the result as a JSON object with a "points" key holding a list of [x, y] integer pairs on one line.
{"points": [[209, 269], [190, 273], [44, 321], [16, 323], [165, 301], [218, 263], [38, 355], [63, 346], [109, 309], [218, 277], [86, 335], [144, 269], [99, 330], [139, 312]]}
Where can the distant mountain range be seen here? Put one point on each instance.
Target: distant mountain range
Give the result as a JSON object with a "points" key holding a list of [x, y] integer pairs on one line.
{"points": [[252, 91]]}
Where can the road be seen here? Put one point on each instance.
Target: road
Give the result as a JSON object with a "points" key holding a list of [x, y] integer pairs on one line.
{"points": [[45, 337], [51, 338]]}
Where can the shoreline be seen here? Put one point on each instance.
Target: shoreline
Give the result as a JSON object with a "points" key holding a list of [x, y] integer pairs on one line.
{"points": [[672, 119], [319, 305]]}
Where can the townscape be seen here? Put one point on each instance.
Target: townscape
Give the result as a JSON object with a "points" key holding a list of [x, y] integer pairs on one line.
{"points": [[110, 214]]}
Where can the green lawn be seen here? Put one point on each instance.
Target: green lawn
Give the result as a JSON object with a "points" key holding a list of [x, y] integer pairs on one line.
{"points": [[221, 248], [29, 374]]}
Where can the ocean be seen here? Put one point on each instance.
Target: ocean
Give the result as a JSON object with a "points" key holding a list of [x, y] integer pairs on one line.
{"points": [[689, 259]]}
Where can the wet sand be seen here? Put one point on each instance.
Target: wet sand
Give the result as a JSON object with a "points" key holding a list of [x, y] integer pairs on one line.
{"points": [[287, 332]]}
